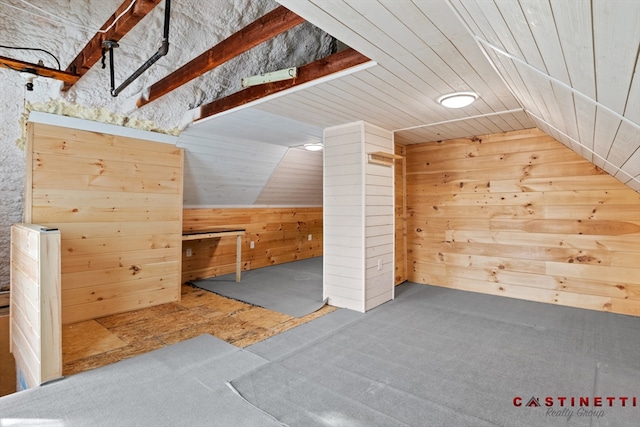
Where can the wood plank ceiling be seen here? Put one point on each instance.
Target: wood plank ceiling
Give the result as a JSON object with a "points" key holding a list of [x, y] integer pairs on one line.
{"points": [[574, 68], [567, 67]]}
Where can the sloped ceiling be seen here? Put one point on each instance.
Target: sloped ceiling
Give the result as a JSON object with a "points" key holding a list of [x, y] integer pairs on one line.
{"points": [[568, 67], [296, 182], [236, 160], [573, 65]]}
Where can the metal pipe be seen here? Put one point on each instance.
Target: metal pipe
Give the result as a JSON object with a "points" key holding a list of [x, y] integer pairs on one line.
{"points": [[111, 68], [162, 51]]}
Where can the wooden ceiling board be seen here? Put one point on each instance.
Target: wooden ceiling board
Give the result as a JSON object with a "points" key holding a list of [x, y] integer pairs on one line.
{"points": [[631, 167], [259, 126], [399, 92], [606, 127], [299, 106], [214, 146], [321, 103], [223, 171], [572, 65], [297, 181], [548, 43], [359, 96], [616, 43], [400, 48], [585, 112], [515, 121], [573, 27], [632, 110], [467, 52], [407, 48], [626, 143], [516, 25], [533, 63], [464, 128]]}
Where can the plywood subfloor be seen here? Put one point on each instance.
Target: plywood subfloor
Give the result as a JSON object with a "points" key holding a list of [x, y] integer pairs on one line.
{"points": [[91, 344], [7, 362]]}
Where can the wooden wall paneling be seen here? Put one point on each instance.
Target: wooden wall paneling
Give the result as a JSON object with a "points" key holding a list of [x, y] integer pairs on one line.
{"points": [[343, 211], [7, 361], [379, 212], [358, 217], [117, 201], [279, 235], [569, 235], [36, 334], [400, 185]]}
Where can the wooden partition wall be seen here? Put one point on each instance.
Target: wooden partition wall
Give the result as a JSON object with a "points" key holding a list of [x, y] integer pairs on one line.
{"points": [[401, 216], [36, 335], [520, 215], [358, 216], [279, 235], [117, 201]]}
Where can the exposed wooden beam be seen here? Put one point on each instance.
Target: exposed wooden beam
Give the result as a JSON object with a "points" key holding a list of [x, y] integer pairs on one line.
{"points": [[18, 65], [322, 67], [92, 52], [270, 25]]}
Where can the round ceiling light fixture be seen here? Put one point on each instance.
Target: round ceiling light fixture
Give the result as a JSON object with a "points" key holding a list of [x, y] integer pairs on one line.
{"points": [[314, 146], [457, 99]]}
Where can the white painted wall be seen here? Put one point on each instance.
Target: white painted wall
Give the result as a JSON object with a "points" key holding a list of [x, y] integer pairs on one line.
{"points": [[358, 217], [343, 221], [379, 219]]}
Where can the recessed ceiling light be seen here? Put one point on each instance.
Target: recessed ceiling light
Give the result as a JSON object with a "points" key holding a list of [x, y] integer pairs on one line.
{"points": [[314, 146], [457, 99]]}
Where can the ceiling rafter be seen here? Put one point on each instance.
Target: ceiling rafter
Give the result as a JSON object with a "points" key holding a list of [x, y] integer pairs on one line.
{"points": [[268, 26], [323, 67], [35, 69], [92, 52]]}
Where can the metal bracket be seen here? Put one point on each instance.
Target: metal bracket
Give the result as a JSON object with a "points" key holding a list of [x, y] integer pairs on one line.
{"points": [[110, 45]]}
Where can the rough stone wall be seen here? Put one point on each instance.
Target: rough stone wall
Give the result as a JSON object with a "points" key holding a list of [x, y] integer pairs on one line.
{"points": [[195, 26], [12, 162]]}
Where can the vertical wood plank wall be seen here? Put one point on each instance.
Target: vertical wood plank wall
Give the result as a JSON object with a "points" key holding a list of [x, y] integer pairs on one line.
{"points": [[279, 234], [400, 216], [36, 334], [118, 204], [7, 361], [518, 214]]}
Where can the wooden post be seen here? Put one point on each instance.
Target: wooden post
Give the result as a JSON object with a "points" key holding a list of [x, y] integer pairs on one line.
{"points": [[35, 324], [238, 257]]}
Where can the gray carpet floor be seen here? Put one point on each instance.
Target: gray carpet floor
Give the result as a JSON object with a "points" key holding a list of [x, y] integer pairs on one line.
{"points": [[431, 357], [440, 357], [180, 385], [293, 288]]}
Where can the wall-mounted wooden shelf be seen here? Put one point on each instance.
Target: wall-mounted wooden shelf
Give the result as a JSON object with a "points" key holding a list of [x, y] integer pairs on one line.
{"points": [[382, 158]]}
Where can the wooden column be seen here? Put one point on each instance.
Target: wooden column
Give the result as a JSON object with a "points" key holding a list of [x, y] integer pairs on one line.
{"points": [[36, 337], [358, 216]]}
